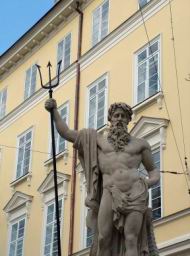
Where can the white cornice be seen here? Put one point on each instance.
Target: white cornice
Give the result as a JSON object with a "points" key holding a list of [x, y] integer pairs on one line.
{"points": [[36, 34], [87, 59]]}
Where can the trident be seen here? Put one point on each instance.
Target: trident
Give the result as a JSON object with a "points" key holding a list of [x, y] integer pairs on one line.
{"points": [[50, 87]]}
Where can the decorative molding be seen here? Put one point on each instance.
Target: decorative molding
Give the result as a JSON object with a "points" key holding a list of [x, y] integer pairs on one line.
{"points": [[156, 98], [18, 200], [62, 155], [26, 177], [148, 125], [175, 246], [42, 28], [172, 217], [48, 184]]}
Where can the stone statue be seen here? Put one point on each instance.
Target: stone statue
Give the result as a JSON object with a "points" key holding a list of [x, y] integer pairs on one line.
{"points": [[117, 196]]}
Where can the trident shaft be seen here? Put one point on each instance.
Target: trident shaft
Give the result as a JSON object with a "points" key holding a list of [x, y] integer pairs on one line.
{"points": [[50, 87]]}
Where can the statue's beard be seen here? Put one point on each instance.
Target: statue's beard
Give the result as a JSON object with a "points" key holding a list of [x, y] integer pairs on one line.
{"points": [[118, 135]]}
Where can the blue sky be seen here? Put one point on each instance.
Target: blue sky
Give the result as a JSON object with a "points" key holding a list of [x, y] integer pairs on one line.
{"points": [[17, 16]]}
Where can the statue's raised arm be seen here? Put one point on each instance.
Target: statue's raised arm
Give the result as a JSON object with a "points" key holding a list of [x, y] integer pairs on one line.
{"points": [[62, 128]]}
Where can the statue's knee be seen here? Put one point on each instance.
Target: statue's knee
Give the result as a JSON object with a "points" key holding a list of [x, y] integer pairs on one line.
{"points": [[131, 239], [104, 241]]}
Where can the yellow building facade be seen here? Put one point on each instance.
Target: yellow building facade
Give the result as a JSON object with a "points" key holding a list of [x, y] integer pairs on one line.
{"points": [[129, 51]]}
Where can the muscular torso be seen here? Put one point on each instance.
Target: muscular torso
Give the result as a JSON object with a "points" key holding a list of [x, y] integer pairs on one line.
{"points": [[120, 168]]}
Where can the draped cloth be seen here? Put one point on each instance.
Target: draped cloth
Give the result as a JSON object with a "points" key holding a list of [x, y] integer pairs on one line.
{"points": [[86, 144]]}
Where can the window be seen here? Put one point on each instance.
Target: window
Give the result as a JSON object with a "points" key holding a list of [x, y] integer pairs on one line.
{"points": [[50, 245], [3, 99], [30, 81], [100, 22], [89, 237], [86, 233], [17, 238], [64, 52], [147, 71], [155, 191], [24, 154], [60, 143], [143, 2], [97, 97]]}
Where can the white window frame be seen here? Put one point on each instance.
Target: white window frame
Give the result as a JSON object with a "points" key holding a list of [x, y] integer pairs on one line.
{"points": [[156, 148], [63, 55], [100, 23], [17, 154], [153, 130], [137, 53], [13, 222], [47, 204], [57, 137], [18, 207], [84, 209], [46, 190], [28, 94], [3, 94], [95, 83]]}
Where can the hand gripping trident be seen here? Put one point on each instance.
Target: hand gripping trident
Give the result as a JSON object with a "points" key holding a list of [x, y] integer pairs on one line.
{"points": [[50, 87]]}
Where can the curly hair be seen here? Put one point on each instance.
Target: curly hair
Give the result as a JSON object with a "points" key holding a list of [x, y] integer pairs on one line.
{"points": [[126, 108]]}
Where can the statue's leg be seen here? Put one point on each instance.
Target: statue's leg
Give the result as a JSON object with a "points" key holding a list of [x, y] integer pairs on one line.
{"points": [[132, 229], [105, 225]]}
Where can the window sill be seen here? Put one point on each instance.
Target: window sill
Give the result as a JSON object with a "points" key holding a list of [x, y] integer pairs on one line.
{"points": [[64, 154], [27, 177], [156, 98]]}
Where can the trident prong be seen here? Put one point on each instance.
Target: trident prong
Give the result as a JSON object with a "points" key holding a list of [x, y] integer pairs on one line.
{"points": [[50, 86]]}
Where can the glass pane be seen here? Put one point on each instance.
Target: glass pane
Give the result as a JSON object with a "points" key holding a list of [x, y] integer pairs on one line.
{"points": [[47, 250], [142, 56], [142, 73], [14, 232], [101, 85], [28, 136], [33, 79], [60, 51], [100, 122], [61, 144], [142, 2], [27, 83], [49, 230], [92, 107], [141, 92], [153, 66], [156, 214], [153, 48], [156, 203], [12, 249], [156, 192], [93, 91], [104, 25], [96, 26], [63, 112], [67, 51]]}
